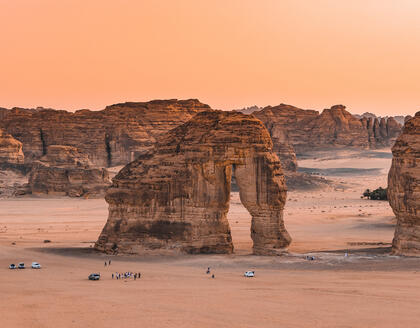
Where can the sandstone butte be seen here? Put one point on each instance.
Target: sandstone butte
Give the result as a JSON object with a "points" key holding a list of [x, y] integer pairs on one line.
{"points": [[404, 188], [307, 130], [175, 198]]}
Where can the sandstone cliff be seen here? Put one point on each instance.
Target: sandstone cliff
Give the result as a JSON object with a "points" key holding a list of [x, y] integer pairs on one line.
{"points": [[335, 127], [110, 137], [404, 188], [175, 197]]}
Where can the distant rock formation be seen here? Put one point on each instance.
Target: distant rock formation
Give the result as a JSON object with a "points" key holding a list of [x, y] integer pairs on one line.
{"points": [[175, 198], [399, 118], [307, 130], [404, 189], [248, 110], [10, 149], [110, 137]]}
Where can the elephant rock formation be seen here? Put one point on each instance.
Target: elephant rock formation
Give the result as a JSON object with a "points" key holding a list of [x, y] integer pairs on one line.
{"points": [[175, 198]]}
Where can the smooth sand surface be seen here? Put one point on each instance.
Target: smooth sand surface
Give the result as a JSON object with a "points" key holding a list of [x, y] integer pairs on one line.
{"points": [[369, 288]]}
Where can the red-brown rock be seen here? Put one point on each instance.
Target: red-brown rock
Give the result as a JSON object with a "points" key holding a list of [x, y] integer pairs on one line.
{"points": [[404, 188], [175, 198]]}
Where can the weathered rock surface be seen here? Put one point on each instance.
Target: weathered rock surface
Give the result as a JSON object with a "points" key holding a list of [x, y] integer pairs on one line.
{"points": [[335, 127], [10, 149], [64, 171], [175, 198], [73, 182], [404, 188], [65, 156], [110, 137]]}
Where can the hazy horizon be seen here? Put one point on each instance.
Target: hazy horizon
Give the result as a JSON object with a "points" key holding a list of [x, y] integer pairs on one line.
{"points": [[226, 109], [89, 54]]}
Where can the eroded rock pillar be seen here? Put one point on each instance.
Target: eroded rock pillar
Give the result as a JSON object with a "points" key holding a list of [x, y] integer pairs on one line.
{"points": [[262, 191]]}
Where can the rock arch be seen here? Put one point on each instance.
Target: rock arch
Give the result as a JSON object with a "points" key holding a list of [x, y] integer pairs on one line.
{"points": [[176, 197]]}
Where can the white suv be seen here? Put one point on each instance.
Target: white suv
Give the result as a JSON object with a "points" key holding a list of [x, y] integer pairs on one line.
{"points": [[36, 265], [249, 274]]}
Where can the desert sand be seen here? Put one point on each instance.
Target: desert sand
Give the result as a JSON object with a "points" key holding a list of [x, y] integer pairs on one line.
{"points": [[368, 288]]}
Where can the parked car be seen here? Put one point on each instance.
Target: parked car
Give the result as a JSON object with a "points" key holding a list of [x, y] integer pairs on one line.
{"points": [[12, 266], [249, 274], [21, 265], [94, 276], [36, 265]]}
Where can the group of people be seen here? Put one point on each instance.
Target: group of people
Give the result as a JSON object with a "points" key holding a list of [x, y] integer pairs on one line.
{"points": [[126, 275], [208, 272]]}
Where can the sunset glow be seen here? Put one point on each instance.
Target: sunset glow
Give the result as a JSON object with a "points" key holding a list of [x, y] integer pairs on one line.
{"points": [[72, 54]]}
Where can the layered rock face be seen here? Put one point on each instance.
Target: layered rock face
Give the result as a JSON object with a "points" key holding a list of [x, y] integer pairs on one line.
{"points": [[64, 171], [175, 198], [404, 189], [307, 130], [73, 182], [110, 137], [65, 156], [10, 149]]}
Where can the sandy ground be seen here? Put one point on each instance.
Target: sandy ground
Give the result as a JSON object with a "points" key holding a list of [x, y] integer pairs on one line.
{"points": [[369, 288]]}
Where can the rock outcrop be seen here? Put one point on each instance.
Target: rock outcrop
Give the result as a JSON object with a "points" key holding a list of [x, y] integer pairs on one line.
{"points": [[73, 182], [175, 198], [10, 149], [64, 171], [404, 189], [65, 156], [110, 137], [307, 130]]}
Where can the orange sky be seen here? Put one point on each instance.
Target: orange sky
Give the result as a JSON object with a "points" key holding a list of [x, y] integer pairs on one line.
{"points": [[73, 54]]}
